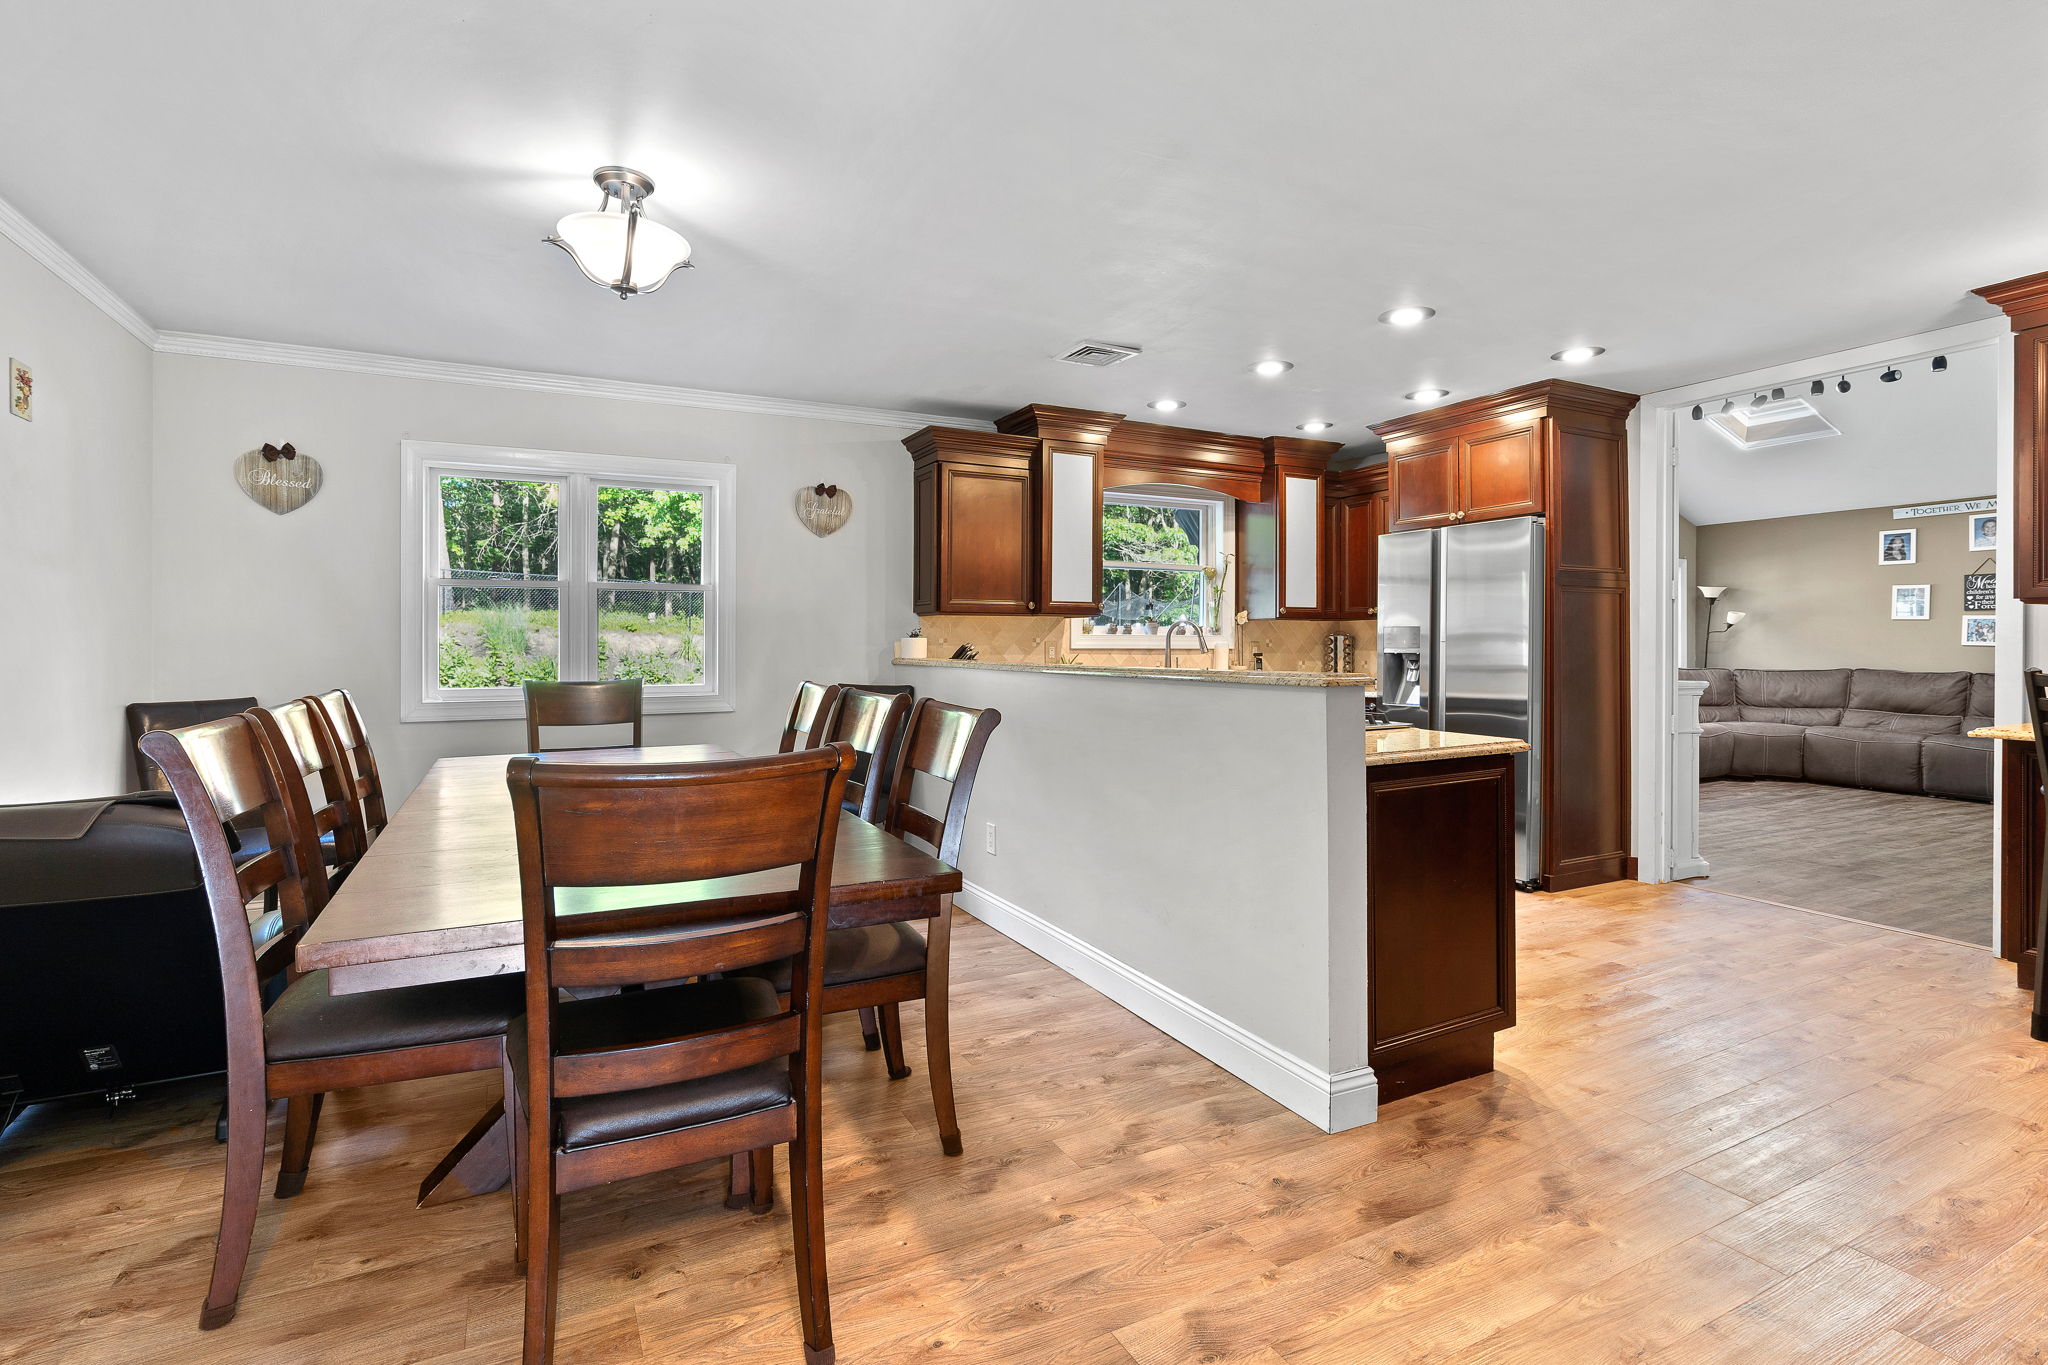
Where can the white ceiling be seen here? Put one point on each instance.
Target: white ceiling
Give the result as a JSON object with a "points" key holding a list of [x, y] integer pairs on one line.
{"points": [[913, 203], [1926, 437]]}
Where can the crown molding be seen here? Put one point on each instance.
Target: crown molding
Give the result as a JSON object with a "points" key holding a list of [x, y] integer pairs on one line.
{"points": [[450, 372], [44, 251]]}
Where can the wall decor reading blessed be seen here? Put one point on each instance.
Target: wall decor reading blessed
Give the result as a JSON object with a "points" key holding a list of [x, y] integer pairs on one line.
{"points": [[278, 478]]}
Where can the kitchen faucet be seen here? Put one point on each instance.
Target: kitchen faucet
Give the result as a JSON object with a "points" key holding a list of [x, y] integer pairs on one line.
{"points": [[1201, 639]]}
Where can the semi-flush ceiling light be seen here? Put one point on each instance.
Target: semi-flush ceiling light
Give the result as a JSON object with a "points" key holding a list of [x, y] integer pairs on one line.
{"points": [[1166, 405], [616, 245], [1428, 395], [1578, 355], [1315, 426], [1407, 316], [1266, 369]]}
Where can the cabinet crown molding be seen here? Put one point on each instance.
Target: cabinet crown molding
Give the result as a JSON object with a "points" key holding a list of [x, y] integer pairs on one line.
{"points": [[2027, 294], [1059, 424], [1544, 393], [1357, 481], [931, 443]]}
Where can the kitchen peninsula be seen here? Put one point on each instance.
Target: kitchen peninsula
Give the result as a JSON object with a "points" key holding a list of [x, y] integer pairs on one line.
{"points": [[1324, 910]]}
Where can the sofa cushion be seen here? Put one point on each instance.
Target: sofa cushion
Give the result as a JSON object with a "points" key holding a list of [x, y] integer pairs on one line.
{"points": [[1792, 696], [1886, 689], [1854, 756], [1980, 708], [1717, 750], [1761, 748], [1901, 722], [1718, 701], [1956, 765]]}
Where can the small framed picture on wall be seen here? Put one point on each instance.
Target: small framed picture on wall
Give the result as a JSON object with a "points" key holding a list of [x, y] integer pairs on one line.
{"points": [[1909, 601], [1984, 530], [1898, 547], [1980, 630]]}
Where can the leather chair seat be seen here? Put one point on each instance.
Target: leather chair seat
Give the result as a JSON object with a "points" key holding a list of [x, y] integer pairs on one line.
{"points": [[613, 1021], [1766, 748], [866, 953], [307, 1022], [1855, 756]]}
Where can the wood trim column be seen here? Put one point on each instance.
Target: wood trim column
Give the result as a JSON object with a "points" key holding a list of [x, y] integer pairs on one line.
{"points": [[2025, 302]]}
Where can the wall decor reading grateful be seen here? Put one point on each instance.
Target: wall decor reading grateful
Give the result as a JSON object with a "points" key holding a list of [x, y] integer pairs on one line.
{"points": [[20, 391], [823, 508], [278, 478]]}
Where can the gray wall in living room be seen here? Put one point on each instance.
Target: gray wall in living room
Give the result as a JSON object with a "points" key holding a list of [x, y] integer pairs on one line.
{"points": [[1817, 597]]}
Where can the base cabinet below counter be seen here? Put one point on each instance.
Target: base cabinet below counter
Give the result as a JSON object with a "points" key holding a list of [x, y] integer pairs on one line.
{"points": [[1441, 935]]}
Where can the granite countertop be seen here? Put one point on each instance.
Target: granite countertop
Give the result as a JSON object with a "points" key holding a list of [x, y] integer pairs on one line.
{"points": [[1425, 746], [2022, 733], [1262, 678]]}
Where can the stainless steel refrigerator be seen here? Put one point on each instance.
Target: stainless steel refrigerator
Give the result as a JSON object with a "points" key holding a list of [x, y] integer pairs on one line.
{"points": [[1461, 645]]}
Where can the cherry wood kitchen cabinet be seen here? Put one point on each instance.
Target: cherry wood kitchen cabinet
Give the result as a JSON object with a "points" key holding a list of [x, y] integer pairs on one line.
{"points": [[2025, 302], [1281, 538], [1558, 450], [1493, 470], [1067, 576], [1355, 518], [976, 522]]}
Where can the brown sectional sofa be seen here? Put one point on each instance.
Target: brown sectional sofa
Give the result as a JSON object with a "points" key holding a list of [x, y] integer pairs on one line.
{"points": [[1848, 727]]}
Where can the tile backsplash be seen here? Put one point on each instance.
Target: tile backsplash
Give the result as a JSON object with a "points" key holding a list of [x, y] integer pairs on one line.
{"points": [[1289, 646]]}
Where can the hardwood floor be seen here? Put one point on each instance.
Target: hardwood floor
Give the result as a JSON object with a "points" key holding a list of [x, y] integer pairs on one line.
{"points": [[1918, 863], [1723, 1132]]}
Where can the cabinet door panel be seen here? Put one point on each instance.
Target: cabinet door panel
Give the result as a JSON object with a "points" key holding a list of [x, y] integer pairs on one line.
{"points": [[986, 541], [1356, 524], [1301, 551], [1070, 520], [1503, 474], [1424, 487]]}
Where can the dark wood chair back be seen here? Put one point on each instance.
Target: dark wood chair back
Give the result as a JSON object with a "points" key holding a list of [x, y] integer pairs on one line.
{"points": [[144, 716], [2037, 715], [810, 716], [299, 737], [345, 720], [582, 703], [944, 745], [869, 723], [221, 771]]}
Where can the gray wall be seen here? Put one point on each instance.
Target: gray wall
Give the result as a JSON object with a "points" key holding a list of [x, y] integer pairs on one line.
{"points": [[1818, 598], [74, 540]]}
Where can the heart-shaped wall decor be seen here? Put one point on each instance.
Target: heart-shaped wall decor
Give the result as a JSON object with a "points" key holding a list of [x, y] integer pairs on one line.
{"points": [[823, 508], [278, 478]]}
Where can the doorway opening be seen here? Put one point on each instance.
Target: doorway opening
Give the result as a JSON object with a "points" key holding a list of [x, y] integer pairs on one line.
{"points": [[1836, 608]]}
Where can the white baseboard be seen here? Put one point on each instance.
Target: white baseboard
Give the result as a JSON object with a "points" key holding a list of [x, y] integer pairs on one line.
{"points": [[1331, 1102], [1682, 868]]}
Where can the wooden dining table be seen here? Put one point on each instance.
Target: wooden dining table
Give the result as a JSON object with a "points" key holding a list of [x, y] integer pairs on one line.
{"points": [[437, 898]]}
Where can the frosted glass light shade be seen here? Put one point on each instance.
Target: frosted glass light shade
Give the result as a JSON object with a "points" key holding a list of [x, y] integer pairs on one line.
{"points": [[597, 241]]}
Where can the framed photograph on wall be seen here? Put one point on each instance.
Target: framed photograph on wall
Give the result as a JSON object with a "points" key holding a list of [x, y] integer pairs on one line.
{"points": [[1909, 601], [1898, 547], [1980, 630], [1984, 530]]}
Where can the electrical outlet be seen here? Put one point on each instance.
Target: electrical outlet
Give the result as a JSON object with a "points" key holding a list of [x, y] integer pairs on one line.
{"points": [[990, 827]]}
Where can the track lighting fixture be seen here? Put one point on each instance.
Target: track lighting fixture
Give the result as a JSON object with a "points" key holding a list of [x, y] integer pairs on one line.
{"points": [[1891, 375], [1698, 412], [1777, 395], [1939, 364], [1758, 401], [1727, 405], [1843, 384], [1819, 386]]}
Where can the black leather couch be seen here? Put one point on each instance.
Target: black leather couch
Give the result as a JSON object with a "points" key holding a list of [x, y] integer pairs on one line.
{"points": [[1876, 728]]}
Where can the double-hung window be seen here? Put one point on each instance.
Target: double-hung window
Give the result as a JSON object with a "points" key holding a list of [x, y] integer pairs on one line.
{"points": [[533, 566], [1162, 561]]}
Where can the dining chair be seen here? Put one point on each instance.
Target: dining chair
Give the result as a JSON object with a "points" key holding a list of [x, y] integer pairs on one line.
{"points": [[869, 723], [345, 720], [582, 703], [307, 1042], [809, 716], [607, 1087], [879, 966], [144, 716], [305, 744], [2037, 713]]}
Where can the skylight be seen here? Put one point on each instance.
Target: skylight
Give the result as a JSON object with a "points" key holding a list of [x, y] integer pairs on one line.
{"points": [[1773, 424]]}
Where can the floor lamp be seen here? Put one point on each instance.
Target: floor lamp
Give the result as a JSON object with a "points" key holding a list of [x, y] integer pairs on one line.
{"points": [[1713, 595]]}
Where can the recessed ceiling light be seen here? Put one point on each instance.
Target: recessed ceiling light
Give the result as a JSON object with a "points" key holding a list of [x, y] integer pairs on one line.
{"points": [[1166, 405], [1266, 369], [1578, 355], [1315, 426], [1407, 316], [1428, 395]]}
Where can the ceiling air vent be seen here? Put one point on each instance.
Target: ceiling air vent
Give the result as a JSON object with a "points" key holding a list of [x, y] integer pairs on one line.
{"points": [[1099, 353]]}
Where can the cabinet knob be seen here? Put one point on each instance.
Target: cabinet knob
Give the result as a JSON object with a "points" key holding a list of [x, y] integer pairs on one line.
{"points": [[1031, 606]]}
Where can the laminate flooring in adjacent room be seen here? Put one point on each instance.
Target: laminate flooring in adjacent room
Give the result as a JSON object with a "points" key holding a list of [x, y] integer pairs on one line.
{"points": [[1722, 1133], [1907, 862]]}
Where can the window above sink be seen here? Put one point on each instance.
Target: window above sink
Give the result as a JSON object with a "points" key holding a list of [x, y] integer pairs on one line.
{"points": [[1165, 558]]}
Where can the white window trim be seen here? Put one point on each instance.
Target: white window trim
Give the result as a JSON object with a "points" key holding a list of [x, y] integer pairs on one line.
{"points": [[420, 697], [1221, 514]]}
